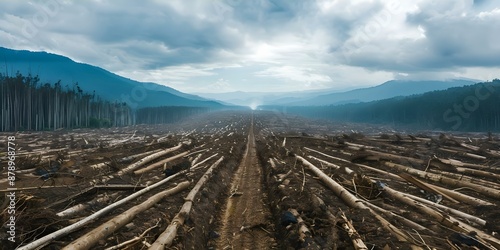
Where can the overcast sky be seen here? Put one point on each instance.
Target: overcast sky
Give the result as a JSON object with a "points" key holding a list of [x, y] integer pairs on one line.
{"points": [[264, 45]]}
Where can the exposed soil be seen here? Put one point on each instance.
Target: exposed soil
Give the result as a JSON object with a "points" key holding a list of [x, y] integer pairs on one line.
{"points": [[247, 202], [246, 217]]}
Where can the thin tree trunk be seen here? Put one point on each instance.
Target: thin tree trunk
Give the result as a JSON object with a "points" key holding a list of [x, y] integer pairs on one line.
{"points": [[160, 163], [168, 236], [353, 234], [354, 202], [493, 193], [82, 223], [304, 232], [91, 238], [446, 220], [147, 159], [454, 194]]}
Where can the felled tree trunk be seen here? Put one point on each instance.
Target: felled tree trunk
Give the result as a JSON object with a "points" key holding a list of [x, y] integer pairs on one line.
{"points": [[425, 186], [450, 210], [195, 166], [339, 190], [462, 197], [493, 193], [470, 155], [454, 194], [147, 159], [478, 149], [303, 230], [168, 236], [346, 169], [80, 224], [91, 238], [353, 201], [401, 219], [160, 163], [80, 207], [462, 168], [446, 220], [353, 234]]}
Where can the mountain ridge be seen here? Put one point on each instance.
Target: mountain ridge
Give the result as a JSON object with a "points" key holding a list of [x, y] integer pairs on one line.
{"points": [[388, 89], [52, 68]]}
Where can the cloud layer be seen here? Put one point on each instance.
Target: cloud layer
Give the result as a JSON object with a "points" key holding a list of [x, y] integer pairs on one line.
{"points": [[264, 45]]}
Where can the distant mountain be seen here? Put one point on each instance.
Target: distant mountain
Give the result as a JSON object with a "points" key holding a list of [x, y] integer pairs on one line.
{"points": [[322, 97], [265, 98], [386, 90], [468, 108], [51, 68]]}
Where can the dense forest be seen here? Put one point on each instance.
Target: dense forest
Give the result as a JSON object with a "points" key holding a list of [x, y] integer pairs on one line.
{"points": [[469, 108], [26, 104]]}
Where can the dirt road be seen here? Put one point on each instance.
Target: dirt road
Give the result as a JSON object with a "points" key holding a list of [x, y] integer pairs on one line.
{"points": [[245, 220]]}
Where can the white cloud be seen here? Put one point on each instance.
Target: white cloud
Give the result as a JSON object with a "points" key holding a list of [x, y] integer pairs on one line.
{"points": [[276, 45], [306, 75], [219, 86], [175, 75]]}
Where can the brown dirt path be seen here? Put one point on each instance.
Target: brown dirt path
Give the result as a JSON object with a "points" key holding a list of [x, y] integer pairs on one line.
{"points": [[245, 222]]}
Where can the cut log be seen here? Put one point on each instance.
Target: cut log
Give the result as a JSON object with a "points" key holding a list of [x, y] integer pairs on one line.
{"points": [[82, 223], [490, 192], [339, 190], [481, 173], [160, 163], [396, 232], [446, 220], [454, 194], [33, 188], [357, 242], [197, 165], [335, 166], [80, 207], [72, 197], [147, 159], [197, 151], [393, 216], [478, 149], [273, 165], [133, 240], [462, 168], [458, 213], [120, 187], [470, 155], [425, 187], [397, 157], [282, 177], [168, 236], [133, 157], [196, 159], [100, 233], [303, 230], [462, 197], [353, 201], [356, 164], [470, 179]]}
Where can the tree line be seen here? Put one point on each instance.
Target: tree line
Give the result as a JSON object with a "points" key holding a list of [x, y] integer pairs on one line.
{"points": [[468, 108], [27, 104]]}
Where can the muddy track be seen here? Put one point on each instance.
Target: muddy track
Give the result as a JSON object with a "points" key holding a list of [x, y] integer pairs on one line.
{"points": [[245, 219]]}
